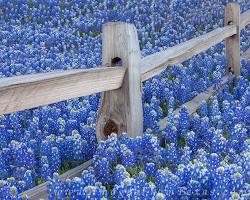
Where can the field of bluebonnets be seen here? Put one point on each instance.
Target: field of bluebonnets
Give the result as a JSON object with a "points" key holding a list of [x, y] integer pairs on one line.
{"points": [[203, 156]]}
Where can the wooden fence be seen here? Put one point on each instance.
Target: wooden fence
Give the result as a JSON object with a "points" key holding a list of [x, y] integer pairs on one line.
{"points": [[121, 103]]}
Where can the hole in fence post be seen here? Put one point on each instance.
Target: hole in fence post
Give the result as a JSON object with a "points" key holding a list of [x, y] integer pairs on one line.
{"points": [[116, 62], [110, 127]]}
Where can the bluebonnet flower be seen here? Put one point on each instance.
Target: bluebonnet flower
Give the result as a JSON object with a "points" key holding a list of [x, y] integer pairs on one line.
{"points": [[191, 140], [203, 109], [214, 162], [57, 188], [75, 188], [88, 177], [45, 172], [4, 169], [150, 169], [166, 182], [103, 171], [120, 174], [184, 123], [214, 108], [55, 160], [170, 134], [95, 192], [219, 142], [186, 155], [127, 158], [29, 179]]}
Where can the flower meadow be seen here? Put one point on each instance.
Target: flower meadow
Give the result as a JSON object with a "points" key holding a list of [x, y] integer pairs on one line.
{"points": [[206, 155]]}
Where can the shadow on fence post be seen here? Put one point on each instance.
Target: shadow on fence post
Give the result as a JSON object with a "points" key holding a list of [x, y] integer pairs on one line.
{"points": [[232, 44], [121, 109]]}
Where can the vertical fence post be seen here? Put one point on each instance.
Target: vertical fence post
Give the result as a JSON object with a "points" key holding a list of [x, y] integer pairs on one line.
{"points": [[232, 44], [121, 109]]}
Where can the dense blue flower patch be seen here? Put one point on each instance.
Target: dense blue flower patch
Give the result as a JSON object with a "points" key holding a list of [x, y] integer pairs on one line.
{"points": [[41, 36], [50, 139], [203, 156]]}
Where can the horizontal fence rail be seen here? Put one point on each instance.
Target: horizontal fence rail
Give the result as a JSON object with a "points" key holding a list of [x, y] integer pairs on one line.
{"points": [[120, 84], [29, 91], [156, 63], [194, 104], [41, 191], [246, 54], [245, 19]]}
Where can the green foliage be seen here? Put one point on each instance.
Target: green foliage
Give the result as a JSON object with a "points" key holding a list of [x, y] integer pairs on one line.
{"points": [[67, 165], [30, 4], [210, 75], [165, 108], [133, 171], [38, 180], [181, 141], [150, 179], [81, 33], [109, 188], [169, 165], [25, 197], [170, 78], [226, 134], [163, 143], [96, 33]]}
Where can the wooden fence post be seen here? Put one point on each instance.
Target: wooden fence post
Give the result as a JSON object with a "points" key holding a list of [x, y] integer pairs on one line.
{"points": [[121, 109], [232, 44]]}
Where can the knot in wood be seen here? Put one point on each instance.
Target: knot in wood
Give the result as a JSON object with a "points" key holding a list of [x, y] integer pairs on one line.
{"points": [[116, 62], [110, 127]]}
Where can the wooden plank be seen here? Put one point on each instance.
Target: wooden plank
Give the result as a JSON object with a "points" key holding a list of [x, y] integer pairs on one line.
{"points": [[121, 110], [40, 191], [246, 54], [244, 19], [154, 64], [29, 91], [193, 105], [232, 44]]}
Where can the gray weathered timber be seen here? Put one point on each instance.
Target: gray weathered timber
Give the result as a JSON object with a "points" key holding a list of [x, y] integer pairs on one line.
{"points": [[246, 54], [156, 63], [29, 91], [244, 19], [193, 105], [121, 109], [232, 44], [40, 191]]}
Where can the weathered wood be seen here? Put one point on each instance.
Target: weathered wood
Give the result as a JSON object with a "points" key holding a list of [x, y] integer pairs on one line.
{"points": [[121, 109], [244, 19], [246, 54], [154, 64], [232, 44], [40, 191], [29, 91], [193, 105]]}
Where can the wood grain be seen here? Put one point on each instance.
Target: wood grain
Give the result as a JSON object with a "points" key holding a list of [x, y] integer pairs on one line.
{"points": [[244, 19], [29, 91], [40, 191], [232, 44], [193, 105], [121, 109], [246, 54], [154, 64]]}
